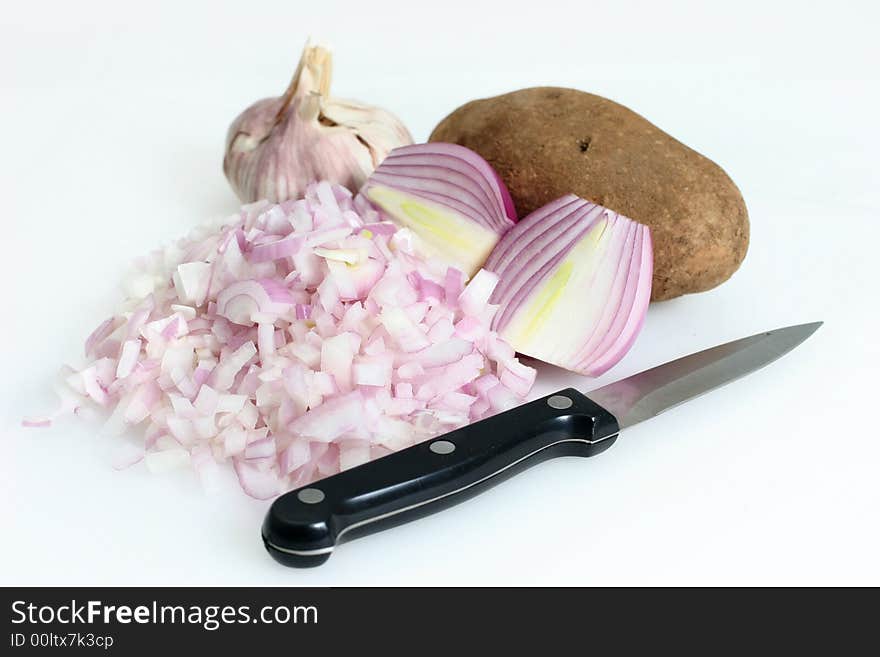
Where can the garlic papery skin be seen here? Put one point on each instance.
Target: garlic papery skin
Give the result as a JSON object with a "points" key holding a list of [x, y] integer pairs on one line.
{"points": [[277, 146]]}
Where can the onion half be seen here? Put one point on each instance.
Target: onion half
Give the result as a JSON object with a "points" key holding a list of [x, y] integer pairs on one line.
{"points": [[575, 282], [449, 197]]}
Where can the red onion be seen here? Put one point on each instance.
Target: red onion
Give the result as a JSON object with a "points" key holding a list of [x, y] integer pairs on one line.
{"points": [[293, 340], [575, 282], [240, 302], [449, 197]]}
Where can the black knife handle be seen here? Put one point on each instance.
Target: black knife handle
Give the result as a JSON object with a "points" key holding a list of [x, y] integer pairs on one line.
{"points": [[304, 525]]}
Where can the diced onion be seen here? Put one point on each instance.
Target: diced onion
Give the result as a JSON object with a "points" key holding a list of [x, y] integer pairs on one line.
{"points": [[295, 340]]}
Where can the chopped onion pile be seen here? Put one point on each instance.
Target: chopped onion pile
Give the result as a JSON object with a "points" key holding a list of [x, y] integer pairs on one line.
{"points": [[450, 197], [295, 340], [575, 284]]}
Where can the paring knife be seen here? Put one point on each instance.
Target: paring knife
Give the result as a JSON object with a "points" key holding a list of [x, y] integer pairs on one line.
{"points": [[304, 526]]}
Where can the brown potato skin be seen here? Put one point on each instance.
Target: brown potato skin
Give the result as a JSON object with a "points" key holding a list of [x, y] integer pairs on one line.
{"points": [[545, 142]]}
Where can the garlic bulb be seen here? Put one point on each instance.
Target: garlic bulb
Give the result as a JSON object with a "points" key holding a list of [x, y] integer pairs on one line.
{"points": [[277, 146]]}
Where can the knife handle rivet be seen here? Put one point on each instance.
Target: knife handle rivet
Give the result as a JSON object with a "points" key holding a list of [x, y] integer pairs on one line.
{"points": [[559, 402], [310, 495], [442, 447]]}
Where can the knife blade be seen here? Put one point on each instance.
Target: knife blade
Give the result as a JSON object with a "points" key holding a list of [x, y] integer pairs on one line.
{"points": [[303, 527], [649, 393]]}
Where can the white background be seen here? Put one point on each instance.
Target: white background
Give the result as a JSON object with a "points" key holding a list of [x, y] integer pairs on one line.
{"points": [[113, 119]]}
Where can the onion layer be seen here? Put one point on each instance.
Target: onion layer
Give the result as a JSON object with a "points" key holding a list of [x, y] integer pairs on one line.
{"points": [[575, 282], [449, 197]]}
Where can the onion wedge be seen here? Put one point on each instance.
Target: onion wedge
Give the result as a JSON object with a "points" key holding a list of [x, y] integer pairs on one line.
{"points": [[574, 285], [449, 197]]}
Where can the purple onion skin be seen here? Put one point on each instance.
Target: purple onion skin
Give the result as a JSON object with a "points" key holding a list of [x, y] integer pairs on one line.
{"points": [[509, 207]]}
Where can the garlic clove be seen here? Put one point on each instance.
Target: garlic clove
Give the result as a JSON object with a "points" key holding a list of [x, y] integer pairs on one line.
{"points": [[378, 129], [277, 146]]}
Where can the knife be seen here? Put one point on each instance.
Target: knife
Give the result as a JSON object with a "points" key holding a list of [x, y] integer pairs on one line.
{"points": [[303, 527]]}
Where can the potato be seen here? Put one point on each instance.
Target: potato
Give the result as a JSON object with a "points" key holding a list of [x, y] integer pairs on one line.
{"points": [[547, 141]]}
